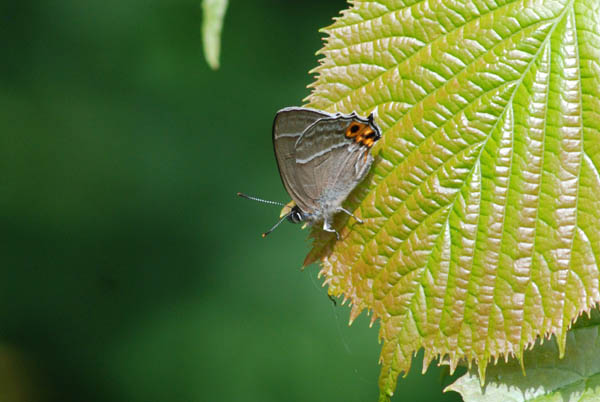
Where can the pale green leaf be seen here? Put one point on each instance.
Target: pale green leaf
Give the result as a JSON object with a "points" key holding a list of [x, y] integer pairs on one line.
{"points": [[482, 208], [213, 14], [576, 377]]}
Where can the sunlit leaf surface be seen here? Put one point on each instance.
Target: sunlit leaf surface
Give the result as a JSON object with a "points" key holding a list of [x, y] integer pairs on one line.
{"points": [[482, 210], [576, 377]]}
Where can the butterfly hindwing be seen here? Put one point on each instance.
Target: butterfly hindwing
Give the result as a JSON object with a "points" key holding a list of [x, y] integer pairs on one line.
{"points": [[329, 165], [322, 157]]}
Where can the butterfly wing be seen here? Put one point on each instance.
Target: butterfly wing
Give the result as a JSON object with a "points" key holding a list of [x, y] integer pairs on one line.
{"points": [[329, 164], [289, 125], [322, 157]]}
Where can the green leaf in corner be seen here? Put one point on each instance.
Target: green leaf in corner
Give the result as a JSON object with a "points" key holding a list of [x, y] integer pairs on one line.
{"points": [[213, 14], [482, 208], [576, 377]]}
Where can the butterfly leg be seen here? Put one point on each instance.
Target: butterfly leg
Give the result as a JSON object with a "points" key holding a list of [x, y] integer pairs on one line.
{"points": [[351, 214], [328, 228]]}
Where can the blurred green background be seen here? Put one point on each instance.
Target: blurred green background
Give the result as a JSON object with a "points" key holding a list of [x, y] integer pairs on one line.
{"points": [[130, 270]]}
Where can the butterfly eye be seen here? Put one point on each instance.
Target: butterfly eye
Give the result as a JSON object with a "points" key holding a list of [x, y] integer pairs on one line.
{"points": [[295, 216]]}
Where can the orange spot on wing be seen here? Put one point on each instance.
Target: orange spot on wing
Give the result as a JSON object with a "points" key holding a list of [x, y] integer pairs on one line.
{"points": [[360, 132]]}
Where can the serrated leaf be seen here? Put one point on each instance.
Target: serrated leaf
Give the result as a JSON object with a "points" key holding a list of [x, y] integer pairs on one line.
{"points": [[576, 377], [482, 208], [213, 14]]}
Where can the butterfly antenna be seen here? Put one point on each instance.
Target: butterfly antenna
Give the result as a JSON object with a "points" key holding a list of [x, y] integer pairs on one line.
{"points": [[261, 200], [277, 224]]}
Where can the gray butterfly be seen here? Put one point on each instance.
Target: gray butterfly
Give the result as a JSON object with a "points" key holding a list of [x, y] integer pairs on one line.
{"points": [[321, 159]]}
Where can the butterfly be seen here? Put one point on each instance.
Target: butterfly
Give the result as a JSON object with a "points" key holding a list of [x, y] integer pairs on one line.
{"points": [[321, 158]]}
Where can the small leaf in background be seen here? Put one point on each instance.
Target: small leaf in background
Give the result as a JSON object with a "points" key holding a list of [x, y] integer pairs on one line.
{"points": [[576, 377], [482, 208], [213, 14]]}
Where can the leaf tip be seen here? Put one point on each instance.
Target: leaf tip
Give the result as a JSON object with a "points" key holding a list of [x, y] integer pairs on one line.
{"points": [[354, 313], [481, 368], [212, 23], [561, 342], [522, 364], [427, 358]]}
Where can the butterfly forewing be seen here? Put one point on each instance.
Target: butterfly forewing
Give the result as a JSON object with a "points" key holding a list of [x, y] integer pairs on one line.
{"points": [[290, 123]]}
